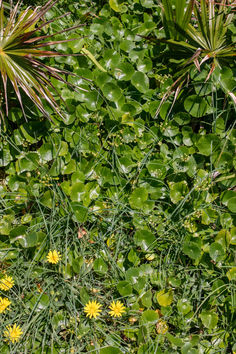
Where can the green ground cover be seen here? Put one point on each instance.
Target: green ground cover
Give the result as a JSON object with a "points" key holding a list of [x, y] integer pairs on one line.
{"points": [[134, 189]]}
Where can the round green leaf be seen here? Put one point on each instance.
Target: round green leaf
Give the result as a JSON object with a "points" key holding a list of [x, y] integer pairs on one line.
{"points": [[138, 197], [209, 319], [47, 199], [140, 81], [144, 65], [216, 252], [124, 288], [147, 299], [192, 250], [196, 106], [149, 317], [144, 238], [77, 192], [100, 266], [80, 212], [165, 298], [124, 72], [112, 92], [232, 204], [207, 144], [184, 306]]}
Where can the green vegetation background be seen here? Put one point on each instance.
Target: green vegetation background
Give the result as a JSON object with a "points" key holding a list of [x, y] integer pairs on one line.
{"points": [[141, 207]]}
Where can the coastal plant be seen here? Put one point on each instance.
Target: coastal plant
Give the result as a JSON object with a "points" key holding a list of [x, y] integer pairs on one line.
{"points": [[196, 33], [22, 47]]}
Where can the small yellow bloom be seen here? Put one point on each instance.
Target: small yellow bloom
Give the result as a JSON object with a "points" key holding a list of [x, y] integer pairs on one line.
{"points": [[4, 303], [92, 309], [6, 283], [13, 334], [117, 308], [53, 257], [162, 327]]}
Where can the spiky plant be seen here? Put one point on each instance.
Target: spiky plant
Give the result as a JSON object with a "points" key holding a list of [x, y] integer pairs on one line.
{"points": [[21, 47], [196, 33]]}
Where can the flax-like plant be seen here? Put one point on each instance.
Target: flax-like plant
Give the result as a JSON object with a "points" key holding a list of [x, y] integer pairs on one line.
{"points": [[21, 46], [196, 33]]}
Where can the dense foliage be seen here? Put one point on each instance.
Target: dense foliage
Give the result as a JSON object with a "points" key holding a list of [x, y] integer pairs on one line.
{"points": [[136, 192]]}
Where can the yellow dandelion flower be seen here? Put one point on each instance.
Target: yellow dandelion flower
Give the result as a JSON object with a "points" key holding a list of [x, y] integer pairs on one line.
{"points": [[92, 309], [117, 308], [4, 303], [162, 327], [13, 334], [53, 257], [6, 283]]}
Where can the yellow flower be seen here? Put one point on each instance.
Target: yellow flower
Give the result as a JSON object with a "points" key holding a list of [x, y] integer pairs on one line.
{"points": [[4, 303], [53, 257], [92, 309], [6, 283], [117, 308], [13, 333], [162, 327]]}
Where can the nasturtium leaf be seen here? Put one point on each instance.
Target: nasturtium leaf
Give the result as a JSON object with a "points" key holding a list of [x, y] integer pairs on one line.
{"points": [[31, 239], [27, 163], [144, 238], [138, 197], [124, 72], [164, 298], [80, 211], [192, 249], [77, 192], [140, 81], [69, 168], [47, 152], [47, 199], [196, 106], [232, 204], [217, 252], [171, 130], [147, 299], [157, 168], [124, 288], [111, 60], [182, 118], [149, 317], [102, 79], [125, 164], [203, 89], [209, 319], [112, 92], [100, 266], [144, 65], [178, 191], [207, 144], [93, 100], [184, 306], [18, 231]]}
